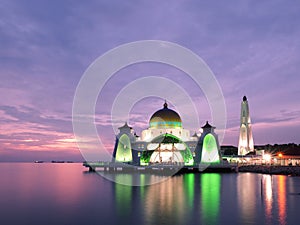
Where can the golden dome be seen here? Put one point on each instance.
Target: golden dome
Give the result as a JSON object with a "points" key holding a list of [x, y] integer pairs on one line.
{"points": [[165, 118]]}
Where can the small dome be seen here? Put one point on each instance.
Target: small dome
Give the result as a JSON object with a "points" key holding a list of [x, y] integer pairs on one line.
{"points": [[165, 118]]}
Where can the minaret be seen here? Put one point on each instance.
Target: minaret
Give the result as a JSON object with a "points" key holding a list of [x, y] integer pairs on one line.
{"points": [[246, 138]]}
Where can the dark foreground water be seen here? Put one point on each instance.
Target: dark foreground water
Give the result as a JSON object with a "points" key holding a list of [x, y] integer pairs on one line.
{"points": [[65, 194]]}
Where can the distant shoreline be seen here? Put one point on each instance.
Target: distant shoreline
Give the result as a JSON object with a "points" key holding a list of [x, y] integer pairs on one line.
{"points": [[269, 169]]}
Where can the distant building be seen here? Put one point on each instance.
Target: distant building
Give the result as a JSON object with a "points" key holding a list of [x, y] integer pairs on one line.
{"points": [[166, 142], [246, 139]]}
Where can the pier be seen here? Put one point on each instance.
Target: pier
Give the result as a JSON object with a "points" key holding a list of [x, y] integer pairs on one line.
{"points": [[111, 167], [170, 169]]}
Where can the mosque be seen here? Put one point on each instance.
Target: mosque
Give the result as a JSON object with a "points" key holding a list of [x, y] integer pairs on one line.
{"points": [[165, 141]]}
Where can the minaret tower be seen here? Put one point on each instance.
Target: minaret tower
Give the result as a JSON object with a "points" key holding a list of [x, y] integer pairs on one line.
{"points": [[246, 139]]}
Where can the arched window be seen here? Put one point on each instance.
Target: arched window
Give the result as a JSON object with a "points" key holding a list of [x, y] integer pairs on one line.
{"points": [[210, 152], [124, 153]]}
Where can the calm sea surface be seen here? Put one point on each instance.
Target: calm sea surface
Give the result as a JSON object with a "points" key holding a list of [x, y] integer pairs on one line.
{"points": [[50, 193]]}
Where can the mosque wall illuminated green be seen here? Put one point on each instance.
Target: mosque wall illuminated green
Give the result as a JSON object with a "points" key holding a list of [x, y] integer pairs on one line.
{"points": [[210, 152], [145, 158], [187, 156], [124, 152]]}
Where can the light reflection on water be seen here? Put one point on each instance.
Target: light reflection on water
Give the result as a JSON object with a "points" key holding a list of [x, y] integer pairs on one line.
{"points": [[281, 198], [267, 196], [210, 197], [274, 198], [64, 194], [248, 193]]}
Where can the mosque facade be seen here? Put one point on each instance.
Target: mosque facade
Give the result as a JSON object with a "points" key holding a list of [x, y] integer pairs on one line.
{"points": [[165, 141]]}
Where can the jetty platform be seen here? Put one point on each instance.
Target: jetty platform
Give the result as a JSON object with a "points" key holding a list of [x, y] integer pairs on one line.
{"points": [[170, 169], [111, 167]]}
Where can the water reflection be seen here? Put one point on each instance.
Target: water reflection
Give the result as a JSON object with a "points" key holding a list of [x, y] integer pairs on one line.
{"points": [[248, 189], [210, 198], [272, 190], [189, 186], [203, 199], [281, 190], [267, 196], [62, 194], [55, 185], [174, 201], [166, 202], [123, 196]]}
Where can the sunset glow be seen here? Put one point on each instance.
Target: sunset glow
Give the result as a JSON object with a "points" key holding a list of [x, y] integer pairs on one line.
{"points": [[252, 49]]}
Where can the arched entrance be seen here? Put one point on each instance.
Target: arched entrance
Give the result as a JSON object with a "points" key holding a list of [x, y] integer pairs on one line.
{"points": [[168, 149]]}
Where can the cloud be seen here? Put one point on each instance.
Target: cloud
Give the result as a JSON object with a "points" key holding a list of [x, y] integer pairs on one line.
{"points": [[252, 47], [26, 128]]}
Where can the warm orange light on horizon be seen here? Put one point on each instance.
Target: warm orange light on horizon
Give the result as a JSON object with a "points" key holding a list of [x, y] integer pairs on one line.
{"points": [[280, 155]]}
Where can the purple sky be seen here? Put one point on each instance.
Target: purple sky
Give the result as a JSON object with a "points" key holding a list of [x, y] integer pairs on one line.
{"points": [[253, 48]]}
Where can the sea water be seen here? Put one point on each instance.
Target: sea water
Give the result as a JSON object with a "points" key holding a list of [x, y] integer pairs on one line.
{"points": [[65, 193]]}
